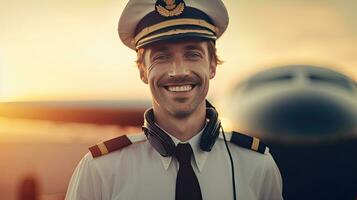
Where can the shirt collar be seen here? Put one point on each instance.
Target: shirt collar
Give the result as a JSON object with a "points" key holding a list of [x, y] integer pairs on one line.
{"points": [[200, 156]]}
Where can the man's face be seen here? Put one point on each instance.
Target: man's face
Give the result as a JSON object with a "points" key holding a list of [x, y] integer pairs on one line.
{"points": [[178, 74]]}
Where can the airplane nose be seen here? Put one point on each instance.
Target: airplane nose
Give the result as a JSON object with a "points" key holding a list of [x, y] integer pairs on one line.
{"points": [[306, 115]]}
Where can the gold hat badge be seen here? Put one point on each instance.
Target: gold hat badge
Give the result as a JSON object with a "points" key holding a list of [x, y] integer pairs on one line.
{"points": [[170, 8]]}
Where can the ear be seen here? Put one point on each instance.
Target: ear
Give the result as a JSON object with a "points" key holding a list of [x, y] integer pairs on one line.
{"points": [[212, 69], [143, 73]]}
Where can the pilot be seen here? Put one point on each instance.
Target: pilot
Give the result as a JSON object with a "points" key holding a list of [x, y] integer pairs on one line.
{"points": [[183, 152]]}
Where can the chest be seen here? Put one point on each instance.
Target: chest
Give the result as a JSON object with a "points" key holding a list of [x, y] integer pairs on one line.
{"points": [[147, 179]]}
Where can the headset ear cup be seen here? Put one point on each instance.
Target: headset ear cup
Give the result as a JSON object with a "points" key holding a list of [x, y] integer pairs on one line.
{"points": [[165, 149], [156, 136], [211, 132]]}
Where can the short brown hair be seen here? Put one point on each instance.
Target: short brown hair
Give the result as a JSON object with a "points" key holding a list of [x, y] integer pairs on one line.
{"points": [[212, 50]]}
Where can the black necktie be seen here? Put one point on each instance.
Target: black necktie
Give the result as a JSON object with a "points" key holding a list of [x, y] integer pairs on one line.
{"points": [[187, 186]]}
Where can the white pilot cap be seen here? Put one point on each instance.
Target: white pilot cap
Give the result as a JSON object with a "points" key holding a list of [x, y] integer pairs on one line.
{"points": [[145, 21]]}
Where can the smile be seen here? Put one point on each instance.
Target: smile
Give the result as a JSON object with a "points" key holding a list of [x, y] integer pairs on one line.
{"points": [[181, 88]]}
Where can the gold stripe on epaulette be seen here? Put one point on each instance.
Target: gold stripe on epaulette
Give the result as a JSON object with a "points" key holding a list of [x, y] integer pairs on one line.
{"points": [[175, 22], [255, 144], [102, 148]]}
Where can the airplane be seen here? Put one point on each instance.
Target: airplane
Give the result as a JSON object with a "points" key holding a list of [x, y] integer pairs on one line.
{"points": [[308, 116], [42, 142], [296, 101]]}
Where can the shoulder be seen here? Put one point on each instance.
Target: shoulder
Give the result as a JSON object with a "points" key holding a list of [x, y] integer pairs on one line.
{"points": [[115, 144], [255, 156], [245, 141]]}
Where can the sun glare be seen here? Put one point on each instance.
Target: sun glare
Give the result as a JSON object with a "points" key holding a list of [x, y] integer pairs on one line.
{"points": [[3, 86], [77, 54]]}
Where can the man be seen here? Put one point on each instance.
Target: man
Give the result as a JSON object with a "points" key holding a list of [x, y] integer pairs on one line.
{"points": [[184, 154]]}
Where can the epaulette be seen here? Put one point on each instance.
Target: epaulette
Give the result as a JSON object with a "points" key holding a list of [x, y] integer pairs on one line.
{"points": [[246, 141], [114, 144]]}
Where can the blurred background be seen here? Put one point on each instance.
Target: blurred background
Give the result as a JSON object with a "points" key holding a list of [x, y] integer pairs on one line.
{"points": [[67, 82]]}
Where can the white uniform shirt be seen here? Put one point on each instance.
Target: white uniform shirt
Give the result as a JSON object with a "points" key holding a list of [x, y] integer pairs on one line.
{"points": [[138, 171]]}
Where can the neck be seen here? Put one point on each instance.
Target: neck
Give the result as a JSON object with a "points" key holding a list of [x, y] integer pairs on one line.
{"points": [[182, 128]]}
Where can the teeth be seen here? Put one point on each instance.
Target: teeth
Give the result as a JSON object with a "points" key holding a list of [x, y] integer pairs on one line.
{"points": [[182, 88]]}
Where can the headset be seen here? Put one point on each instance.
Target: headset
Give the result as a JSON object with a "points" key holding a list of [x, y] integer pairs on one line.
{"points": [[163, 143]]}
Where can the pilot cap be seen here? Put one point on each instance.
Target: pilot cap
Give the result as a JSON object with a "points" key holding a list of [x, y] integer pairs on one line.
{"points": [[146, 21]]}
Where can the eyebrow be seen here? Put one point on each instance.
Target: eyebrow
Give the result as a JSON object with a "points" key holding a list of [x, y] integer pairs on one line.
{"points": [[193, 47]]}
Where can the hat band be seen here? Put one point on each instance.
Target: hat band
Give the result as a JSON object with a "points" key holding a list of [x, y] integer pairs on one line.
{"points": [[177, 31], [175, 22]]}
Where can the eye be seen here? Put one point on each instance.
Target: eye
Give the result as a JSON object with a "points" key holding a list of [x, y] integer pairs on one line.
{"points": [[193, 55], [161, 57]]}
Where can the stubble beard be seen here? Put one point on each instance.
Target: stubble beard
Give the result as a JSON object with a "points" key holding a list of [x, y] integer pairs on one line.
{"points": [[182, 112]]}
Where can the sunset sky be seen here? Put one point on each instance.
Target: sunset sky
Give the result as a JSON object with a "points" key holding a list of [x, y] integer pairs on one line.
{"points": [[70, 50]]}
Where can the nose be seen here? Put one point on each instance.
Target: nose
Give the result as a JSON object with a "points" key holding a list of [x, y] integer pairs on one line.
{"points": [[178, 67]]}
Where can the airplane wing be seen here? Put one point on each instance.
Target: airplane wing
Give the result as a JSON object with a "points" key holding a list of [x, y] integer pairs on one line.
{"points": [[122, 113]]}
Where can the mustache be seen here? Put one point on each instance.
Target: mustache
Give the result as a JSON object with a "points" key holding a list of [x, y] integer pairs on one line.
{"points": [[173, 80]]}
